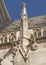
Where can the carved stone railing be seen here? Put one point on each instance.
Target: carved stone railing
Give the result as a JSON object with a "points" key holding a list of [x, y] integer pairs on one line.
{"points": [[41, 39], [7, 37], [7, 45]]}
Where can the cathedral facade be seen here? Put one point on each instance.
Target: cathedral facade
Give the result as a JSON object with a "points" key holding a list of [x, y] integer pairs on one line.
{"points": [[22, 42]]}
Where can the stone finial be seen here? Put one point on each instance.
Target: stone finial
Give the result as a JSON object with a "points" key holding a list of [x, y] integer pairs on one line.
{"points": [[23, 14]]}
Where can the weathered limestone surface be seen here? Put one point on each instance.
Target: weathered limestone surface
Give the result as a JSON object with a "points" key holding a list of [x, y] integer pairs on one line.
{"points": [[37, 57], [6, 61]]}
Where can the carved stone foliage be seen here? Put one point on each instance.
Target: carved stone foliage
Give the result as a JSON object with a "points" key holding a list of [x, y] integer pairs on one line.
{"points": [[23, 50]]}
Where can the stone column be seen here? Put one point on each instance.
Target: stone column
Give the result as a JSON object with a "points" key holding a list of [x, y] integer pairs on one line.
{"points": [[8, 35], [37, 33], [3, 39], [0, 39], [42, 32]]}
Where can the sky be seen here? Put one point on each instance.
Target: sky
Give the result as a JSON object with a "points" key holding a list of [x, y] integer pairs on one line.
{"points": [[34, 8]]}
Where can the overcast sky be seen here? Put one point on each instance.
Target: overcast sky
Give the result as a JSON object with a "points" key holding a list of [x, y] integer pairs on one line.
{"points": [[34, 8]]}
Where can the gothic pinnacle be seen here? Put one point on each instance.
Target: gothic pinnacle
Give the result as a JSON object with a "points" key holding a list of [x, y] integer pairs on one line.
{"points": [[23, 14]]}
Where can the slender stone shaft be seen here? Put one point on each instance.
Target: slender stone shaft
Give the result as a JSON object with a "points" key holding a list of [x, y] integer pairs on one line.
{"points": [[24, 25]]}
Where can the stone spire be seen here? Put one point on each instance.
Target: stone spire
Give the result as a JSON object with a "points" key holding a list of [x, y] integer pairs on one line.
{"points": [[24, 25], [24, 13]]}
